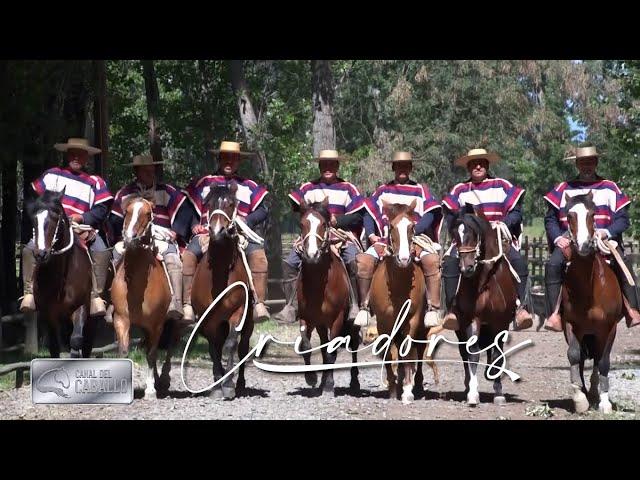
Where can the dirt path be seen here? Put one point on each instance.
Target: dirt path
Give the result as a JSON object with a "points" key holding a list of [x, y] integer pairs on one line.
{"points": [[542, 366]]}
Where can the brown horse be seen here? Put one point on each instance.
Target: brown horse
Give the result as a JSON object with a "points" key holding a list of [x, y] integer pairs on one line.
{"points": [[486, 298], [323, 295], [592, 306], [141, 294], [398, 279], [221, 266], [62, 277]]}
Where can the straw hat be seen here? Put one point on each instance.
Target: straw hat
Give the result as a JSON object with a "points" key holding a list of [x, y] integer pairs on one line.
{"points": [[474, 154], [329, 155], [140, 160], [77, 143], [402, 157], [230, 147], [584, 152]]}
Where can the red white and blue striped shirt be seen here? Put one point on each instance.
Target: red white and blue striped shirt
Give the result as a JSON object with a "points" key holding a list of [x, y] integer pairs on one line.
{"points": [[344, 197], [249, 194], [494, 197], [82, 191], [168, 201]]}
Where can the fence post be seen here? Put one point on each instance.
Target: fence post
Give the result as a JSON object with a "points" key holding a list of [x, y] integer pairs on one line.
{"points": [[31, 333]]}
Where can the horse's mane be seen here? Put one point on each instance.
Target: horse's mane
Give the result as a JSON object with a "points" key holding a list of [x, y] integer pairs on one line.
{"points": [[221, 191], [469, 217], [586, 199], [394, 209], [50, 200], [148, 195]]}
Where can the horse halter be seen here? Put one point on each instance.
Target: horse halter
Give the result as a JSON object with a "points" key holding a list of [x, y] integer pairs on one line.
{"points": [[231, 220], [54, 240], [324, 241], [146, 233]]}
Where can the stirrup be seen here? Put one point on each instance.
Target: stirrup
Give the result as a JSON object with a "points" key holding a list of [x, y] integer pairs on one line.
{"points": [[432, 318]]}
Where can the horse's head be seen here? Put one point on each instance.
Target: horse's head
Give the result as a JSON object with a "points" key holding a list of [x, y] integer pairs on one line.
{"points": [[401, 231], [580, 215], [468, 232], [314, 228], [138, 219], [223, 208], [50, 224]]}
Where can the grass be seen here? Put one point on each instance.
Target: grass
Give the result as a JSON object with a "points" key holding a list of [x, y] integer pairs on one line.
{"points": [[536, 229]]}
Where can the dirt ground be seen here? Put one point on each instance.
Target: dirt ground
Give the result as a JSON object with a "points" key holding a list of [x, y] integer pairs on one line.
{"points": [[542, 393]]}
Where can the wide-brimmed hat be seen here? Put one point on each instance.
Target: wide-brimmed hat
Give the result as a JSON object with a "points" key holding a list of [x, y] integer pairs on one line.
{"points": [[584, 152], [329, 155], [402, 157], [140, 160], [230, 147], [77, 143], [476, 153]]}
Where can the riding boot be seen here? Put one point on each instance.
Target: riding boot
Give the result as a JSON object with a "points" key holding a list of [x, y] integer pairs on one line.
{"points": [[259, 267], [366, 265], [101, 262], [631, 314], [352, 269], [28, 266], [430, 265], [523, 319], [189, 264], [289, 279], [553, 287], [174, 268], [450, 278]]}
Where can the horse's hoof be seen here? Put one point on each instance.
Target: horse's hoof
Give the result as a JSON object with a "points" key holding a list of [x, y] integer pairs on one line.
{"points": [[74, 354], [163, 383], [150, 394], [580, 402], [216, 394], [354, 385], [311, 378], [499, 400], [407, 398], [473, 399], [605, 407], [229, 393]]}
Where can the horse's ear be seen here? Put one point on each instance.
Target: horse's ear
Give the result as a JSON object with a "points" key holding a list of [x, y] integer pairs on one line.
{"points": [[303, 207], [233, 186], [412, 205], [386, 207], [325, 203], [479, 213], [60, 194], [566, 198], [590, 196]]}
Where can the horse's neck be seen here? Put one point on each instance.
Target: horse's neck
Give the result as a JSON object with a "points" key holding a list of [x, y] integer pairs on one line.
{"points": [[399, 279], [222, 261], [581, 271], [138, 261]]}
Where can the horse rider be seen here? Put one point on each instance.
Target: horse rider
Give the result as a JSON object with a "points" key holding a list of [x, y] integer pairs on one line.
{"points": [[170, 212], [345, 205], [86, 201], [251, 207], [611, 221], [427, 215], [499, 201]]}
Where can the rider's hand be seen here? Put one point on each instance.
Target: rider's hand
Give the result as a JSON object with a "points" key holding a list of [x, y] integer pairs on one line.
{"points": [[333, 221], [563, 242], [173, 235], [76, 218], [374, 238], [199, 229], [380, 249], [602, 233]]}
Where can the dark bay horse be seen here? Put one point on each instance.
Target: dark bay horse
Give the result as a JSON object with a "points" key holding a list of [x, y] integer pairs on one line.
{"points": [[221, 266], [140, 292], [62, 277], [323, 294], [592, 306], [397, 279], [486, 298]]}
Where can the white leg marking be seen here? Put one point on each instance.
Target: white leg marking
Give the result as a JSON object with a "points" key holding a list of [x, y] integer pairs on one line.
{"points": [[41, 218]]}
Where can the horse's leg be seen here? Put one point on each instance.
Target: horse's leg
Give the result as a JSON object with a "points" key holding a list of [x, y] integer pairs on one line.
{"points": [[89, 331], [230, 350], [53, 338], [174, 337], [576, 362], [354, 343], [153, 337], [603, 364], [392, 379], [498, 397], [121, 325], [418, 388], [462, 348], [243, 350], [77, 335], [473, 396], [326, 384], [305, 330], [215, 351]]}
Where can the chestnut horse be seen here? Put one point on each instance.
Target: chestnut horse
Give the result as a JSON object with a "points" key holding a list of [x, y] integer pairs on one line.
{"points": [[397, 279], [221, 266], [592, 306], [486, 300], [62, 277], [140, 292], [323, 295]]}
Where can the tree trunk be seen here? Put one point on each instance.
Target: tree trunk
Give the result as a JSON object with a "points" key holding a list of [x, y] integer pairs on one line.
{"points": [[248, 117], [249, 121], [8, 244], [153, 96], [100, 117], [324, 134]]}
